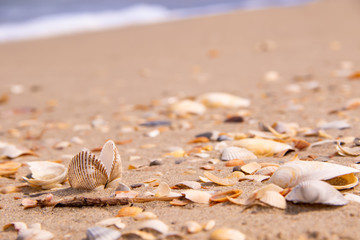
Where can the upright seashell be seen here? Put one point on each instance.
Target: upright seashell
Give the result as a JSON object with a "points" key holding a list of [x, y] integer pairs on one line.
{"points": [[315, 191], [218, 99], [273, 199], [156, 225], [263, 147], [231, 153], [101, 233], [226, 234], [292, 173], [188, 107], [46, 174], [86, 171]]}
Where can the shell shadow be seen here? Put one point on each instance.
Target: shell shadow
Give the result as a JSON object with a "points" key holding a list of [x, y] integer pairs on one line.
{"points": [[294, 209]]}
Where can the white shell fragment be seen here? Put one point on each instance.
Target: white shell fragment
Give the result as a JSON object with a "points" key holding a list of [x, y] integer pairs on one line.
{"points": [[193, 227], [263, 147], [231, 153], [347, 151], [292, 173], [352, 197], [197, 196], [340, 124], [115, 221], [156, 225], [33, 232], [11, 151], [226, 234], [188, 107], [86, 171], [101, 233], [189, 184], [315, 191], [218, 99], [274, 199], [46, 174]]}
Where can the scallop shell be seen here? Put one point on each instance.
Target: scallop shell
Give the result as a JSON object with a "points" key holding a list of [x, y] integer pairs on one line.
{"points": [[188, 107], [315, 191], [46, 174], [86, 171], [101, 233], [263, 147], [273, 199], [292, 173], [218, 99], [226, 234], [231, 153]]}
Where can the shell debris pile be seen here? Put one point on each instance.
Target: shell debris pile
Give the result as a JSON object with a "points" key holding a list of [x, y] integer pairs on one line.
{"points": [[187, 155]]}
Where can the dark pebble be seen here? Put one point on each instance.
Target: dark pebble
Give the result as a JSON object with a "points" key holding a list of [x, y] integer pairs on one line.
{"points": [[156, 123], [155, 163], [136, 185], [236, 168]]}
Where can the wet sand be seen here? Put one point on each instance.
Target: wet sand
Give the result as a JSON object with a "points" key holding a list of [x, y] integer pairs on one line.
{"points": [[68, 81]]}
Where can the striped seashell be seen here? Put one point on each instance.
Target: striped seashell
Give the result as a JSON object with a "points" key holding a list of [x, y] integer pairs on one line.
{"points": [[231, 153], [101, 233], [86, 171]]}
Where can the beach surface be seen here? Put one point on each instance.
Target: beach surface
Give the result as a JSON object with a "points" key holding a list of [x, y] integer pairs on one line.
{"points": [[103, 85]]}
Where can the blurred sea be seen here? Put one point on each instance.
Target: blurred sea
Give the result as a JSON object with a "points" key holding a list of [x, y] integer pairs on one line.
{"points": [[28, 19]]}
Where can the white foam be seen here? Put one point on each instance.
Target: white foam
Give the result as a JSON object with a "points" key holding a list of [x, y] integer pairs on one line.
{"points": [[83, 22]]}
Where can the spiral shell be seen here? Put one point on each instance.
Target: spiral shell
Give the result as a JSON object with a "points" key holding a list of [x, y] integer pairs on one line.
{"points": [[86, 171]]}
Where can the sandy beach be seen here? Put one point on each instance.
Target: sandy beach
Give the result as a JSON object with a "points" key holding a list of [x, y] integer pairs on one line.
{"points": [[102, 85]]}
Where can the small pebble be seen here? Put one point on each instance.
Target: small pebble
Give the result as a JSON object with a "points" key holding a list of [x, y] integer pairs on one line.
{"points": [[155, 162]]}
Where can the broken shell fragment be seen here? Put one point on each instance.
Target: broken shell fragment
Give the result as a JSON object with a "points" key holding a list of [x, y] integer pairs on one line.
{"points": [[33, 232], [162, 190], [292, 173], [267, 171], [221, 181], [193, 227], [189, 185], [346, 151], [156, 225], [251, 168], [263, 147], [231, 153], [11, 151], [46, 174], [145, 216], [129, 211], [218, 99], [274, 199], [315, 191], [115, 221], [86, 171], [209, 225], [226, 234], [222, 196], [101, 233], [197, 196], [9, 168]]}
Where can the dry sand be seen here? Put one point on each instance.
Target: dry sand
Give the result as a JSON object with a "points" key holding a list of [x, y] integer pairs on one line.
{"points": [[100, 73]]}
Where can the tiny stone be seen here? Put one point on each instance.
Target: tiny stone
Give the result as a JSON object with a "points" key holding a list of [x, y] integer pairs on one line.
{"points": [[155, 162], [236, 168]]}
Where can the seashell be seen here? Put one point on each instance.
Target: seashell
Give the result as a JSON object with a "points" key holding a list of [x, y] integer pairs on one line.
{"points": [[112, 222], [189, 185], [250, 168], [234, 163], [270, 187], [46, 174], [340, 124], [162, 190], [193, 227], [101, 233], [9, 168], [178, 202], [88, 172], [188, 107], [352, 197], [138, 235], [274, 199], [145, 216], [267, 171], [315, 191], [197, 196], [209, 225], [226, 234], [222, 196], [129, 211], [204, 179], [218, 99], [261, 134], [11, 151], [231, 153], [292, 173], [263, 147], [156, 225], [344, 181], [29, 203], [257, 178], [346, 151], [33, 232], [221, 181]]}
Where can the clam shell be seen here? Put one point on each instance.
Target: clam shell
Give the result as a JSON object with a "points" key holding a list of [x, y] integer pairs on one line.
{"points": [[344, 182], [352, 197], [156, 225], [292, 173], [88, 172], [188, 107], [263, 147], [273, 199], [197, 196], [221, 181], [226, 234], [315, 191], [129, 211], [218, 99], [138, 235], [231, 153], [267, 171], [46, 174], [101, 233], [162, 190]]}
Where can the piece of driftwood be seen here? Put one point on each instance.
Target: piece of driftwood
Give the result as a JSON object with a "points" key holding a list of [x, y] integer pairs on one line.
{"points": [[93, 202]]}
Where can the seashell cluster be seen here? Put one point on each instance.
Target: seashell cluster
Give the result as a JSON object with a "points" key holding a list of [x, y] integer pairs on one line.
{"points": [[86, 171], [46, 174]]}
